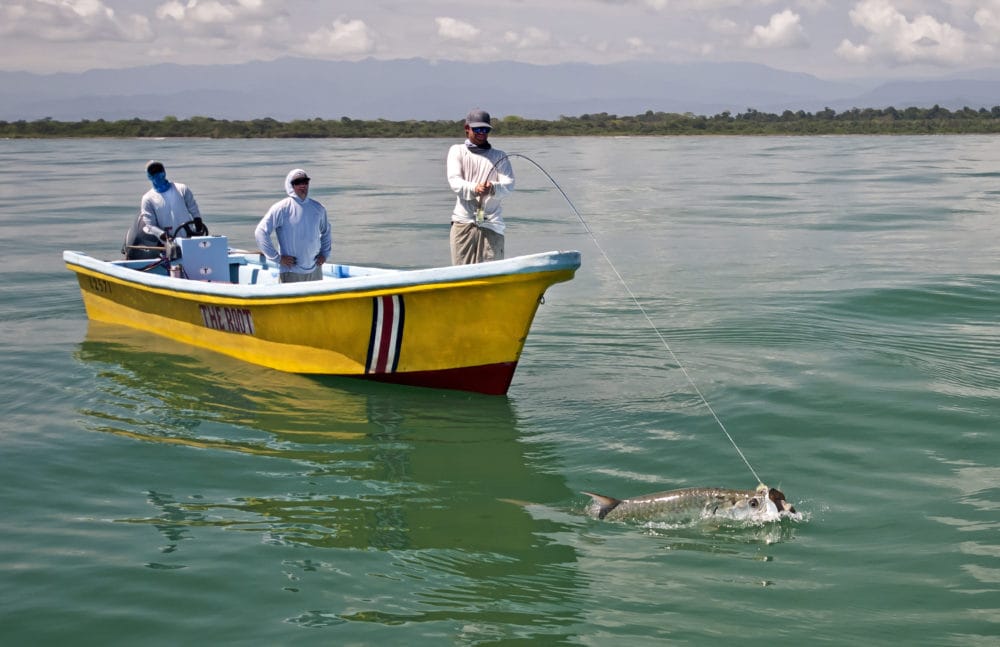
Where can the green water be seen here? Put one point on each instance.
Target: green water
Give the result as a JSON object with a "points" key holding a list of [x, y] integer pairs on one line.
{"points": [[835, 300]]}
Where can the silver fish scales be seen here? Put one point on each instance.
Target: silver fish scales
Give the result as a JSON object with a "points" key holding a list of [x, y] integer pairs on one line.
{"points": [[757, 505]]}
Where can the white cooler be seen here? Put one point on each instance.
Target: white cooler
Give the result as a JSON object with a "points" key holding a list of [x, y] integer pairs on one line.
{"points": [[205, 258]]}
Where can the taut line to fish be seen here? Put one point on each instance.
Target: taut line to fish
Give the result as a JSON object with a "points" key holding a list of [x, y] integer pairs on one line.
{"points": [[638, 304]]}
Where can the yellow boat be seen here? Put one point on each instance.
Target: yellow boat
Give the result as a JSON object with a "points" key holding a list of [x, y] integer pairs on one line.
{"points": [[458, 327]]}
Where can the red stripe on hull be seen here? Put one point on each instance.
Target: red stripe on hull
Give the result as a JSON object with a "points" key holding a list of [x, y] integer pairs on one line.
{"points": [[385, 335], [490, 379]]}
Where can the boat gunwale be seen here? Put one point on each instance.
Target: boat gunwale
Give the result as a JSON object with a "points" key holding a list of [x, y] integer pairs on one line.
{"points": [[382, 280]]}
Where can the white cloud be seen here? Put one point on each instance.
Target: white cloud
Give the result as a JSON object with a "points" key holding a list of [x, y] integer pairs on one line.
{"points": [[172, 10], [724, 27], [342, 38], [988, 19], [204, 11], [231, 22], [50, 35], [70, 20], [784, 30], [530, 37], [452, 29], [894, 38], [853, 53], [636, 45]]}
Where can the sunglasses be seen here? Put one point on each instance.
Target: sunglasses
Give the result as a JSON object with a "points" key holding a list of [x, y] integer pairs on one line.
{"points": [[479, 130], [298, 182]]}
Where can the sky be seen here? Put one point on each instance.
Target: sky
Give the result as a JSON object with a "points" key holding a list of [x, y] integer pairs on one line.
{"points": [[831, 39]]}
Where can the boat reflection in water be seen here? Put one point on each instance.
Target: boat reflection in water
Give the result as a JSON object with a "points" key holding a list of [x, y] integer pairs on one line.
{"points": [[339, 465]]}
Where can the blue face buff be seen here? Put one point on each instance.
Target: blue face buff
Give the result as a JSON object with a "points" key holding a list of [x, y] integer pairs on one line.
{"points": [[159, 180]]}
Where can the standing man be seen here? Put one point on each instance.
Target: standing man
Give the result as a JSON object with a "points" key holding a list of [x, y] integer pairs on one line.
{"points": [[303, 231], [481, 176], [167, 206]]}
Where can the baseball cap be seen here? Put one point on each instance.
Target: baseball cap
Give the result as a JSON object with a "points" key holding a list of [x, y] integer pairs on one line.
{"points": [[478, 119]]}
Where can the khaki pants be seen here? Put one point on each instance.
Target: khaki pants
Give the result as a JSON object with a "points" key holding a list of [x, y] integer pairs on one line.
{"points": [[472, 244], [292, 277]]}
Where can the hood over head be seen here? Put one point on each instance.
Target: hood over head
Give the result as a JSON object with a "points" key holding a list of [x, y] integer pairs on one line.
{"points": [[294, 174]]}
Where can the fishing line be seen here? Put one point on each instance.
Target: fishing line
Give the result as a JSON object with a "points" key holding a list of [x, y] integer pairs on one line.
{"points": [[635, 300]]}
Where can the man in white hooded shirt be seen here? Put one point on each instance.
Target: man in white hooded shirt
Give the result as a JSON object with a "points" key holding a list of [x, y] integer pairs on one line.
{"points": [[302, 229]]}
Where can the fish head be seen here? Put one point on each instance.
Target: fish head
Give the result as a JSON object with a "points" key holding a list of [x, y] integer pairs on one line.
{"points": [[753, 506], [762, 505], [776, 496]]}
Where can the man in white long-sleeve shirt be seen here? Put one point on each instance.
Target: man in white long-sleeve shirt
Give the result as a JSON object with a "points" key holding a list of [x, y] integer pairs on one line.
{"points": [[302, 229], [481, 176], [167, 206]]}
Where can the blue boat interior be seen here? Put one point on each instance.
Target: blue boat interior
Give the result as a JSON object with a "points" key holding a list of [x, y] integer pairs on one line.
{"points": [[241, 270]]}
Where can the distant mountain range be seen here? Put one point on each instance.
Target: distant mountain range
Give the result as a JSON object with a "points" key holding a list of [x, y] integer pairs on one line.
{"points": [[420, 89]]}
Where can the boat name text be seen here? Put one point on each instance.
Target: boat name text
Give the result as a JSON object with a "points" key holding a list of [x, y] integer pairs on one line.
{"points": [[238, 320]]}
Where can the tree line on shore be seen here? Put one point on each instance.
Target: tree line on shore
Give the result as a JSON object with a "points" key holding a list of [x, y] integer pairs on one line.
{"points": [[867, 121]]}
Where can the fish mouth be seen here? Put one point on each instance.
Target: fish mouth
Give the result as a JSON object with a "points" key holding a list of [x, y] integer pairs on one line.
{"points": [[778, 497]]}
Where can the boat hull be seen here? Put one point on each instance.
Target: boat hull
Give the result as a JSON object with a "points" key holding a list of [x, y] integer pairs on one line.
{"points": [[450, 328]]}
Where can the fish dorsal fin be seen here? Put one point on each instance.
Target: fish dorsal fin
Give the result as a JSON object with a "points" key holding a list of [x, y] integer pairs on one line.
{"points": [[605, 504]]}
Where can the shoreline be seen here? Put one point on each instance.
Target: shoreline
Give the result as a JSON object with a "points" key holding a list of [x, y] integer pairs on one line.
{"points": [[868, 121]]}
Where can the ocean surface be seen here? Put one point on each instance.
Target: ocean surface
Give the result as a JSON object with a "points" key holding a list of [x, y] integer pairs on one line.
{"points": [[834, 300]]}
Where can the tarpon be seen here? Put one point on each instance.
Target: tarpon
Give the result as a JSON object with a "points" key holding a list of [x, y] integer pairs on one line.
{"points": [[690, 504]]}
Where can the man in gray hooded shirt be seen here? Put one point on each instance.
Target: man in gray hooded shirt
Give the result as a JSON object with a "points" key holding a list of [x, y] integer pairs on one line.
{"points": [[302, 229]]}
